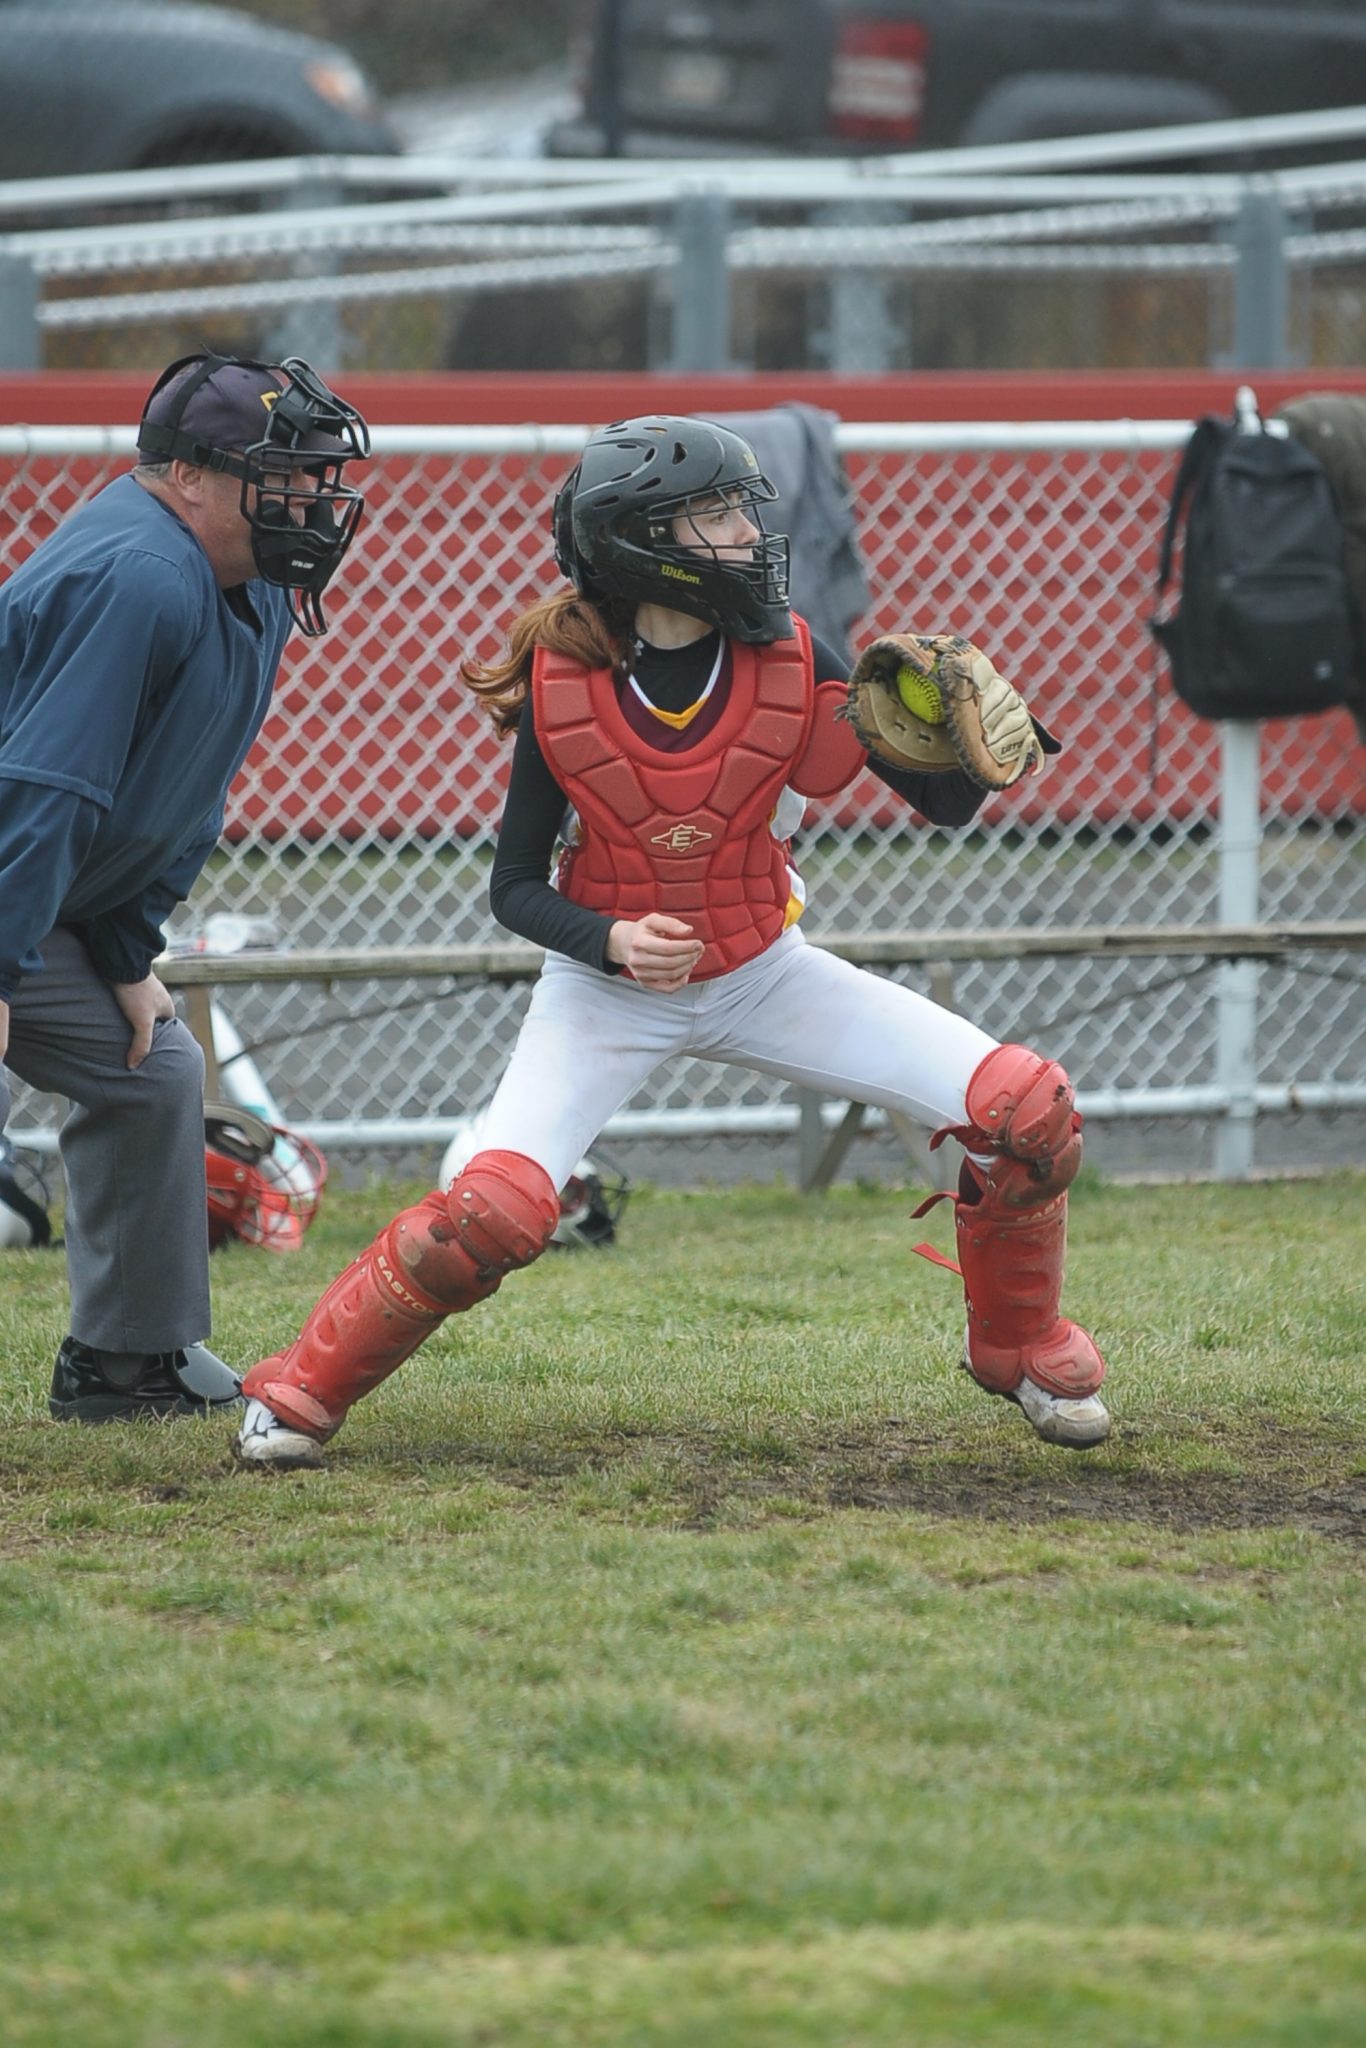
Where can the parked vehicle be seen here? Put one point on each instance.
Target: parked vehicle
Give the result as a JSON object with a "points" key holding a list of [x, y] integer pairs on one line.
{"points": [[733, 76], [115, 85]]}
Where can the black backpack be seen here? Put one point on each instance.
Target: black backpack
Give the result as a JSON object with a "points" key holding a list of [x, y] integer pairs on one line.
{"points": [[1264, 627]]}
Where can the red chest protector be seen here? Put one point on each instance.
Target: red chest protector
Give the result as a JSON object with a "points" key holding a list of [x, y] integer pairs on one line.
{"points": [[688, 833]]}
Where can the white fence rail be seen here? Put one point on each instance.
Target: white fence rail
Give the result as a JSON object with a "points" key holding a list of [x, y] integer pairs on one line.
{"points": [[395, 263]]}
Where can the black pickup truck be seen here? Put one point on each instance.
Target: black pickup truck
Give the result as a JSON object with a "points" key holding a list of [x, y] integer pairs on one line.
{"points": [[666, 77]]}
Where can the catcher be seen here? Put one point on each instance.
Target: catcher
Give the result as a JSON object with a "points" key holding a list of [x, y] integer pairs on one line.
{"points": [[672, 717]]}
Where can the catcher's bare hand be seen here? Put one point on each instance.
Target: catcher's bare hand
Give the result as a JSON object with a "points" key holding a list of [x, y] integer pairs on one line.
{"points": [[657, 951], [935, 702]]}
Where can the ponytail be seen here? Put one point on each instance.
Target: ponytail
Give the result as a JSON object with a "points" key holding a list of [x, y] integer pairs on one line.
{"points": [[564, 623]]}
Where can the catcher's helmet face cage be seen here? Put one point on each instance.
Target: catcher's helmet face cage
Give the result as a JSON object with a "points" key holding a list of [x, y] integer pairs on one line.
{"points": [[299, 530], [591, 1204], [23, 1208], [265, 1182], [591, 1200], [614, 526]]}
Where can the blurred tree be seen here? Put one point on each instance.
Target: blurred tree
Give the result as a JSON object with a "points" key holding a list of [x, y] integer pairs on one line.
{"points": [[422, 45]]}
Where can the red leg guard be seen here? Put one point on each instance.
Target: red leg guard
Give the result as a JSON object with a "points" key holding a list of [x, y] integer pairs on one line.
{"points": [[446, 1254], [1012, 1228], [1022, 1108], [1012, 1263]]}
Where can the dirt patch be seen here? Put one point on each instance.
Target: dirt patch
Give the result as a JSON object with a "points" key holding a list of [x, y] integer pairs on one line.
{"points": [[1199, 1501], [1280, 1480], [1196, 1476], [1274, 1478]]}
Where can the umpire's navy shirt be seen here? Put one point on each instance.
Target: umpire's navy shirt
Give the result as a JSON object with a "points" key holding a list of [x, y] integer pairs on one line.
{"points": [[131, 688]]}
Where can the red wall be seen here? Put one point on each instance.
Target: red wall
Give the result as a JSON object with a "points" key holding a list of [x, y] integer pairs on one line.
{"points": [[111, 398]]}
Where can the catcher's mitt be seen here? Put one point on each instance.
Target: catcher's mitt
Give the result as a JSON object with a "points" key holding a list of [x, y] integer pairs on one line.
{"points": [[934, 702]]}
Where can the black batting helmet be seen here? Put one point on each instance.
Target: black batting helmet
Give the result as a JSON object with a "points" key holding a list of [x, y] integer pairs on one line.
{"points": [[614, 519]]}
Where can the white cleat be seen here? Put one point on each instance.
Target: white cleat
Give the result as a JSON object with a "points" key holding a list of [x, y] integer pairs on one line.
{"points": [[264, 1440], [1077, 1425]]}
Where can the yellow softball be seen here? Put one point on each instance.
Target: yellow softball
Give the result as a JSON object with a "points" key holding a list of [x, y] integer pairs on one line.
{"points": [[919, 694]]}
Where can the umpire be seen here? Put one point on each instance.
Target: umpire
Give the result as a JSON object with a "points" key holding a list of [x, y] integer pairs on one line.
{"points": [[139, 646]]}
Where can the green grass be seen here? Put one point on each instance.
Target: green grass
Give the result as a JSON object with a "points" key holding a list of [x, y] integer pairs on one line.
{"points": [[679, 1651]]}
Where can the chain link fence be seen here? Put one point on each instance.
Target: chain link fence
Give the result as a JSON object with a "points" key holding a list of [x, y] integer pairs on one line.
{"points": [[367, 813], [580, 298]]}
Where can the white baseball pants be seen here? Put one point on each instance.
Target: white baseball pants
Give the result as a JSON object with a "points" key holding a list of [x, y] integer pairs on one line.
{"points": [[590, 1040]]}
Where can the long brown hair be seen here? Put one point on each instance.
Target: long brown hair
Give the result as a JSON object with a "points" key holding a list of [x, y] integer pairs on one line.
{"points": [[565, 623]]}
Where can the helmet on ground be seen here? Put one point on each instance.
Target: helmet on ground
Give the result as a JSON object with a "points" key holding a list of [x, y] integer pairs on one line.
{"points": [[265, 1182], [591, 1200], [614, 525], [264, 423], [591, 1203], [23, 1204]]}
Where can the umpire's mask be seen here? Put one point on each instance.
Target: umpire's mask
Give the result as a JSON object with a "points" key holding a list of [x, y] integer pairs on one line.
{"points": [[286, 435]]}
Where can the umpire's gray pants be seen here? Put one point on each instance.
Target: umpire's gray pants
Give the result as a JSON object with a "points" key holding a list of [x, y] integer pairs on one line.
{"points": [[137, 1231]]}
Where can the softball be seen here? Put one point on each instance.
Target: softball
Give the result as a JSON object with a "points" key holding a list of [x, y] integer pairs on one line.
{"points": [[919, 694]]}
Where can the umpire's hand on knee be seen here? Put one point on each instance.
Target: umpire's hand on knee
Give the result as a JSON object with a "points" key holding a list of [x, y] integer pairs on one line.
{"points": [[657, 951], [142, 1003]]}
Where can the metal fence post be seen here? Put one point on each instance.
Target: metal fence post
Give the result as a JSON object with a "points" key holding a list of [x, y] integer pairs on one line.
{"points": [[701, 281], [312, 328], [20, 340], [861, 338], [609, 75], [1261, 322], [1240, 840], [1261, 291]]}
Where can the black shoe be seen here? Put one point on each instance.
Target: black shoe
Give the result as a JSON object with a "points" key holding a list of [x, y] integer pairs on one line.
{"points": [[133, 1386]]}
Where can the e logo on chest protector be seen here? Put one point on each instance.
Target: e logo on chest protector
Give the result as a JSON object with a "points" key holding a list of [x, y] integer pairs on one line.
{"points": [[680, 838]]}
